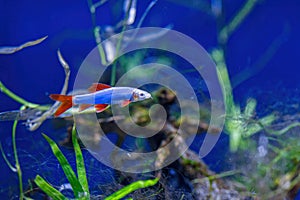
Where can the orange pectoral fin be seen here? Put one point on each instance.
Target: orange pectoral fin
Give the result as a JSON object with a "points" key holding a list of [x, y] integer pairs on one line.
{"points": [[98, 86], [66, 103], [101, 107], [83, 107], [125, 103]]}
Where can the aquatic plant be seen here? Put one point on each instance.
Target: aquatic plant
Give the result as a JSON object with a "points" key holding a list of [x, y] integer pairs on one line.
{"points": [[288, 155], [109, 53], [242, 125], [239, 125], [132, 187], [79, 185], [16, 167]]}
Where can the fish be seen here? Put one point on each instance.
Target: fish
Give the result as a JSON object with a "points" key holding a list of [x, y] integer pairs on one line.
{"points": [[101, 96]]}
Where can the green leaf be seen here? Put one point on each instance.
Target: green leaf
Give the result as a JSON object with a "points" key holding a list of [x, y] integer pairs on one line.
{"points": [[49, 189], [284, 130], [267, 120], [76, 186], [250, 108], [130, 188], [252, 129], [80, 163]]}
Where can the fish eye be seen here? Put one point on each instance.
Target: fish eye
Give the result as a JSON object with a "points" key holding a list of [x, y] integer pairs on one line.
{"points": [[142, 94]]}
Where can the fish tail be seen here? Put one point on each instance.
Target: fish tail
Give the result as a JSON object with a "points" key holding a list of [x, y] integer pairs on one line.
{"points": [[66, 103]]}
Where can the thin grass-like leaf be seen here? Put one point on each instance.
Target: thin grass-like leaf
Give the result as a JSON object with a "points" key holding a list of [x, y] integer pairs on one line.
{"points": [[48, 189], [18, 167], [231, 27], [77, 188], [13, 49], [80, 163], [130, 188], [18, 99], [284, 130], [6, 160]]}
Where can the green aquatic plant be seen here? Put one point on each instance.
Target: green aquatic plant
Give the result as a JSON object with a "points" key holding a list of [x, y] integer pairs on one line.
{"points": [[129, 11], [231, 27], [98, 39], [20, 100], [276, 174], [15, 168], [132, 187], [96, 29], [284, 167], [79, 185], [241, 125]]}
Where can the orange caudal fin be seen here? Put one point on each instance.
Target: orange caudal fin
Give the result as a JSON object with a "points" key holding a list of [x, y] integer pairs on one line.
{"points": [[98, 86], [66, 103]]}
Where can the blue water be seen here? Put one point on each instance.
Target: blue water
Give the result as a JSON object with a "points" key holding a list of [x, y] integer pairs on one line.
{"points": [[35, 72]]}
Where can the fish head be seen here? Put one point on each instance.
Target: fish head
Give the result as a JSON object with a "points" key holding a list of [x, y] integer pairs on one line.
{"points": [[140, 95]]}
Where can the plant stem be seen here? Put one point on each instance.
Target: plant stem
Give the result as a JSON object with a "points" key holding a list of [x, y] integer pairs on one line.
{"points": [[236, 21], [114, 67], [6, 160], [222, 72], [20, 100], [217, 176], [99, 45], [18, 168], [96, 30], [282, 131], [233, 127]]}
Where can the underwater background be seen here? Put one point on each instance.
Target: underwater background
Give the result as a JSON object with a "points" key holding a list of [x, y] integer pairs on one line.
{"points": [[262, 57]]}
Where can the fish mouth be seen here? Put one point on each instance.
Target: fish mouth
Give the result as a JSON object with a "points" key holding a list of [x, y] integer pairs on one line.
{"points": [[148, 96]]}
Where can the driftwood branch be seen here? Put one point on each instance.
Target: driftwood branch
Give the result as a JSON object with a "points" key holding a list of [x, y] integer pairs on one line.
{"points": [[35, 123]]}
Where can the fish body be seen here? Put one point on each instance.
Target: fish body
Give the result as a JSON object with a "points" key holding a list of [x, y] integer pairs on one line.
{"points": [[101, 96], [114, 95]]}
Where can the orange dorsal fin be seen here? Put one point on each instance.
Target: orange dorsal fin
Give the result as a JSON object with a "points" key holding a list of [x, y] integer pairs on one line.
{"points": [[98, 86], [125, 103], [66, 103], [101, 107], [61, 98], [83, 107]]}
